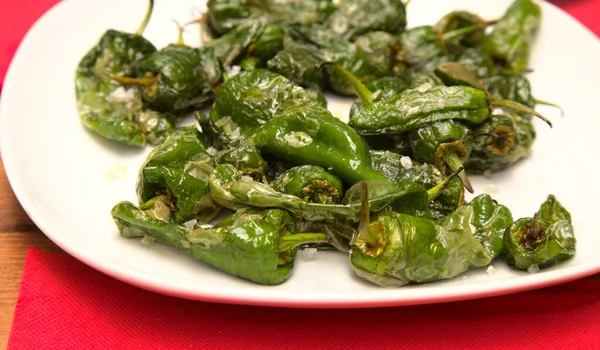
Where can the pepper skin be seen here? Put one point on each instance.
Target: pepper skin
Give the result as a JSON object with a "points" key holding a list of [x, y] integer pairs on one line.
{"points": [[545, 240], [245, 158], [311, 183]]}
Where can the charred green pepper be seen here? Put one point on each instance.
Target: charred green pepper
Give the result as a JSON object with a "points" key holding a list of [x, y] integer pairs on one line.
{"points": [[462, 19], [356, 17], [542, 241], [245, 158], [510, 42], [311, 183], [256, 245], [298, 65], [173, 181]]}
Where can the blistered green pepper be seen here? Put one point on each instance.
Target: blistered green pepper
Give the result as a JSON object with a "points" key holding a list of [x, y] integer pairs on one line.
{"points": [[356, 17], [245, 158], [394, 249], [235, 192], [510, 43], [542, 241], [173, 181], [298, 65], [310, 134], [179, 77], [397, 167], [250, 99], [311, 183], [462, 19], [109, 110], [500, 142], [256, 245], [446, 144]]}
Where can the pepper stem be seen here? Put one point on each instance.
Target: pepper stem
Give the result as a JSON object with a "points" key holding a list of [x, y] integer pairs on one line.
{"points": [[406, 3], [291, 241], [455, 164], [465, 30], [133, 81], [180, 33], [519, 107], [144, 24], [436, 190], [366, 96], [547, 103]]}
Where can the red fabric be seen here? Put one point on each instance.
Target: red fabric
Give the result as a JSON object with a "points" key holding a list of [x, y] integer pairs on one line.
{"points": [[64, 304]]}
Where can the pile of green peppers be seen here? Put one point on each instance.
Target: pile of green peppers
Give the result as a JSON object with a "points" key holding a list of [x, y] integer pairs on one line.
{"points": [[269, 170]]}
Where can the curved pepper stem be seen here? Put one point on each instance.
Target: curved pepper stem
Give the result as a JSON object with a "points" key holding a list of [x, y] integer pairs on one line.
{"points": [[455, 164], [179, 33], [366, 96], [465, 30], [133, 81], [517, 106], [292, 241], [371, 239], [436, 190], [144, 24], [547, 103]]}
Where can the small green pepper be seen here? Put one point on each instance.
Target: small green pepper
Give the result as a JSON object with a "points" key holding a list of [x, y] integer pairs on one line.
{"points": [[310, 134], [542, 241], [500, 142], [510, 42], [298, 65], [245, 158], [256, 245], [356, 17], [462, 19], [235, 192], [394, 249], [175, 176], [446, 144], [250, 99], [311, 183], [109, 110]]}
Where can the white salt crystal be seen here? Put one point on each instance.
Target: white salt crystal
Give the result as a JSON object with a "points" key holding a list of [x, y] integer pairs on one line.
{"points": [[406, 162], [533, 268]]}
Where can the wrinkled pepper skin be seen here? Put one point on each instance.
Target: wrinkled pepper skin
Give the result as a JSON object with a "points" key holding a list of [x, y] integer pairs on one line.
{"points": [[105, 108], [477, 62], [414, 250], [244, 244], [390, 165], [356, 17], [510, 42], [543, 241], [310, 134], [500, 142], [234, 193], [484, 219], [299, 66], [245, 158], [434, 142], [421, 44], [250, 99], [415, 108], [311, 183], [511, 87], [462, 19], [178, 170], [382, 88]]}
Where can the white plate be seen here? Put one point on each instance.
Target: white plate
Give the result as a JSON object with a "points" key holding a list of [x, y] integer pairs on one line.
{"points": [[68, 179]]}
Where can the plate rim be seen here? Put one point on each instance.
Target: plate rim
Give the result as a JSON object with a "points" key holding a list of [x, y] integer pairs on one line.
{"points": [[216, 295]]}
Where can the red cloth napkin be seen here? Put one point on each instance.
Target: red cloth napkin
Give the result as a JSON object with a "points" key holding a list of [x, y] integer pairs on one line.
{"points": [[64, 304]]}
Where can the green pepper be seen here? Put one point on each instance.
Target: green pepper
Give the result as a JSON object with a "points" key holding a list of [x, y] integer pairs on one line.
{"points": [[268, 44], [397, 167], [478, 63], [542, 241], [382, 88], [414, 108], [299, 66], [245, 158], [462, 19], [394, 249], [510, 42], [250, 99], [311, 183], [256, 245], [310, 134], [235, 192], [446, 144], [173, 181], [483, 218], [500, 142], [356, 17], [109, 110]]}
